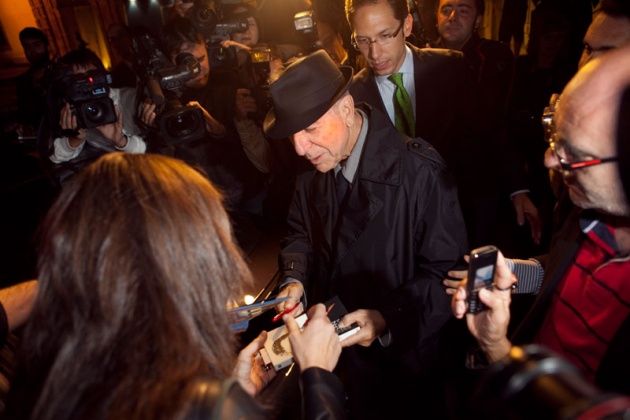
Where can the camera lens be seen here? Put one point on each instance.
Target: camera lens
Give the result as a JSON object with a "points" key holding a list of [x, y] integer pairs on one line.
{"points": [[182, 124], [93, 112]]}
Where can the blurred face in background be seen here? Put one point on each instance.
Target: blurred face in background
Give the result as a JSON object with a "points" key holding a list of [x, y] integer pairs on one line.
{"points": [[36, 50], [456, 21], [121, 42], [331, 42], [251, 36], [181, 7]]}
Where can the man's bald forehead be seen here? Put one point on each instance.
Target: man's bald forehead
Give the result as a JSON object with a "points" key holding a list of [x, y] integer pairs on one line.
{"points": [[602, 79], [587, 112]]}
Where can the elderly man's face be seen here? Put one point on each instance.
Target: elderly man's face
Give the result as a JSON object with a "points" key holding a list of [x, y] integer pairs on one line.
{"points": [[604, 33], [327, 141], [584, 131], [456, 21]]}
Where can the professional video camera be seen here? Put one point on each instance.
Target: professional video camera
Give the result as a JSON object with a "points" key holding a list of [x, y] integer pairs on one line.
{"points": [[207, 17], [533, 382], [165, 85], [87, 93]]}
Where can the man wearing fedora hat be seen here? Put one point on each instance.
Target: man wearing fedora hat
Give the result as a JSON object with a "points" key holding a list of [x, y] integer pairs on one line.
{"points": [[382, 246]]}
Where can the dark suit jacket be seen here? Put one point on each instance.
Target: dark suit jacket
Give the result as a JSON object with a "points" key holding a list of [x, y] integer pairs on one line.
{"points": [[451, 115], [399, 233], [614, 370], [492, 63]]}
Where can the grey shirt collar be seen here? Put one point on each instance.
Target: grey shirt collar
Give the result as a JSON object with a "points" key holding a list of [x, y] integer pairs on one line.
{"points": [[349, 166]]}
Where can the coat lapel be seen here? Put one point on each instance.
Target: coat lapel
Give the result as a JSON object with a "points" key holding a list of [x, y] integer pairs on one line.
{"points": [[378, 173], [323, 207]]}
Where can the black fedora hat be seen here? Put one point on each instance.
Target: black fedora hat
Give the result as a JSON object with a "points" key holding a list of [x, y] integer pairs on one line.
{"points": [[304, 92]]}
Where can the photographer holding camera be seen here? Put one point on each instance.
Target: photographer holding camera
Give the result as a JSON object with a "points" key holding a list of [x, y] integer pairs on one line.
{"points": [[93, 119], [219, 151]]}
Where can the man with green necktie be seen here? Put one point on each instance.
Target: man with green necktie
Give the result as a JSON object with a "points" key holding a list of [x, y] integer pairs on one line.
{"points": [[431, 93]]}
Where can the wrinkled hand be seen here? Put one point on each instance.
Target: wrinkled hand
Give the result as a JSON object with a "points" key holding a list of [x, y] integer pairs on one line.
{"points": [[318, 344], [114, 131], [68, 121], [147, 112], [525, 209], [245, 104], [250, 371], [296, 291], [489, 327], [372, 326]]}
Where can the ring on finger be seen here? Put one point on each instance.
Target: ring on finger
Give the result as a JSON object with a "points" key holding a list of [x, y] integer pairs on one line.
{"points": [[511, 288]]}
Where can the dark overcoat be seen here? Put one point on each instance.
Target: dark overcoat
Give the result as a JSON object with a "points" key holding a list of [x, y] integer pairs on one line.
{"points": [[390, 247]]}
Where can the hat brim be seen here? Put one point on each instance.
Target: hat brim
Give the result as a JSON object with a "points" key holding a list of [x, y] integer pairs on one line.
{"points": [[283, 129]]}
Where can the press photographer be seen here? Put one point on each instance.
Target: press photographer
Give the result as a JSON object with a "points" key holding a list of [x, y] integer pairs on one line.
{"points": [[86, 117], [208, 19], [325, 27], [164, 83], [220, 151]]}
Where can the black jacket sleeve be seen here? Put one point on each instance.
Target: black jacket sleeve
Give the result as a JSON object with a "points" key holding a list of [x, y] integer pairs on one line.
{"points": [[323, 396]]}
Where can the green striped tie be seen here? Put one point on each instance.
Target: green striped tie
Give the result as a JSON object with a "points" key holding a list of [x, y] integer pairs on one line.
{"points": [[405, 121]]}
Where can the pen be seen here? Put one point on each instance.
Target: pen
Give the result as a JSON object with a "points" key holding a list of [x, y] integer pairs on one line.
{"points": [[327, 312], [286, 311]]}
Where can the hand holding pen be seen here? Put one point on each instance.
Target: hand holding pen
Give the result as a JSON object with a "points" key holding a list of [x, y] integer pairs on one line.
{"points": [[279, 316], [317, 344], [295, 291]]}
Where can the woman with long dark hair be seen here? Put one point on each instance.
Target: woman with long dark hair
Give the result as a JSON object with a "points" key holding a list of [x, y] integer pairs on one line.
{"points": [[137, 265]]}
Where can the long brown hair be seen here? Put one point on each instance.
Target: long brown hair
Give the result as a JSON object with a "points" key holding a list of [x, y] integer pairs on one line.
{"points": [[136, 267]]}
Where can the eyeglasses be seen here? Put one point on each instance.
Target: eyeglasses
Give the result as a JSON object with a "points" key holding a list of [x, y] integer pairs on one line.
{"points": [[550, 137], [568, 167], [364, 43]]}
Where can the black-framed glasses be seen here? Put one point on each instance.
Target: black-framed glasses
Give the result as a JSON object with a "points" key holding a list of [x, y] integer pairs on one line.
{"points": [[550, 137], [364, 43]]}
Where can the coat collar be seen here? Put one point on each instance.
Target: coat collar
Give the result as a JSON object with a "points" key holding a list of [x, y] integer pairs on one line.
{"points": [[380, 169]]}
